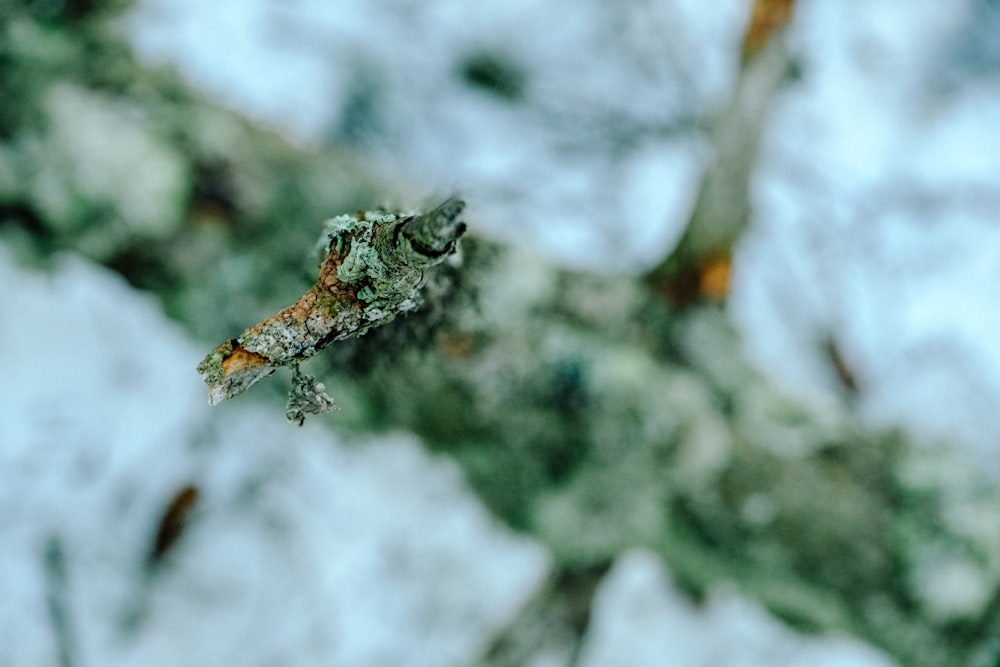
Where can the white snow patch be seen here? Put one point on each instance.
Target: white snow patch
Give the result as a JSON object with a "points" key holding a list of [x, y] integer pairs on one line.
{"points": [[640, 619]]}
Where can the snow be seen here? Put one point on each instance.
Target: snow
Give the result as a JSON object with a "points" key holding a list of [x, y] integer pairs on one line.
{"points": [[305, 548], [641, 620]]}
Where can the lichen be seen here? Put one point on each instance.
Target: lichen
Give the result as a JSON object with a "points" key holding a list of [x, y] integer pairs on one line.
{"points": [[334, 232], [306, 397], [361, 261], [276, 339], [367, 287], [343, 227], [211, 366]]}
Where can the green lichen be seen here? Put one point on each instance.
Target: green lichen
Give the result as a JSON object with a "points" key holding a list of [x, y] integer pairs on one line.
{"points": [[211, 366], [335, 230], [362, 261], [338, 230], [383, 265]]}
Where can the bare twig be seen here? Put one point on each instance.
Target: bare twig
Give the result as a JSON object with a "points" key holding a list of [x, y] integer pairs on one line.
{"points": [[698, 267]]}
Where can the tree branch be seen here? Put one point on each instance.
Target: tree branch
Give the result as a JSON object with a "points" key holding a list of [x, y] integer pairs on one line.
{"points": [[374, 262], [698, 267]]}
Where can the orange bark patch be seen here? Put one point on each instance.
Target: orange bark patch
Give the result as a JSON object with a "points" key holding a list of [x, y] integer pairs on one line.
{"points": [[768, 17], [713, 281], [240, 360]]}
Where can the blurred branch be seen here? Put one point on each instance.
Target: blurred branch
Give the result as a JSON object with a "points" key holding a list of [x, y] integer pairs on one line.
{"points": [[768, 19], [697, 268]]}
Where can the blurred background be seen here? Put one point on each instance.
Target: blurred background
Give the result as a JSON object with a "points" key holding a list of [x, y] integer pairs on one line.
{"points": [[713, 383]]}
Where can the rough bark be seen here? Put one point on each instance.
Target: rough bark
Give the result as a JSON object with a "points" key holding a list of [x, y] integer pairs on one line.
{"points": [[373, 266]]}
